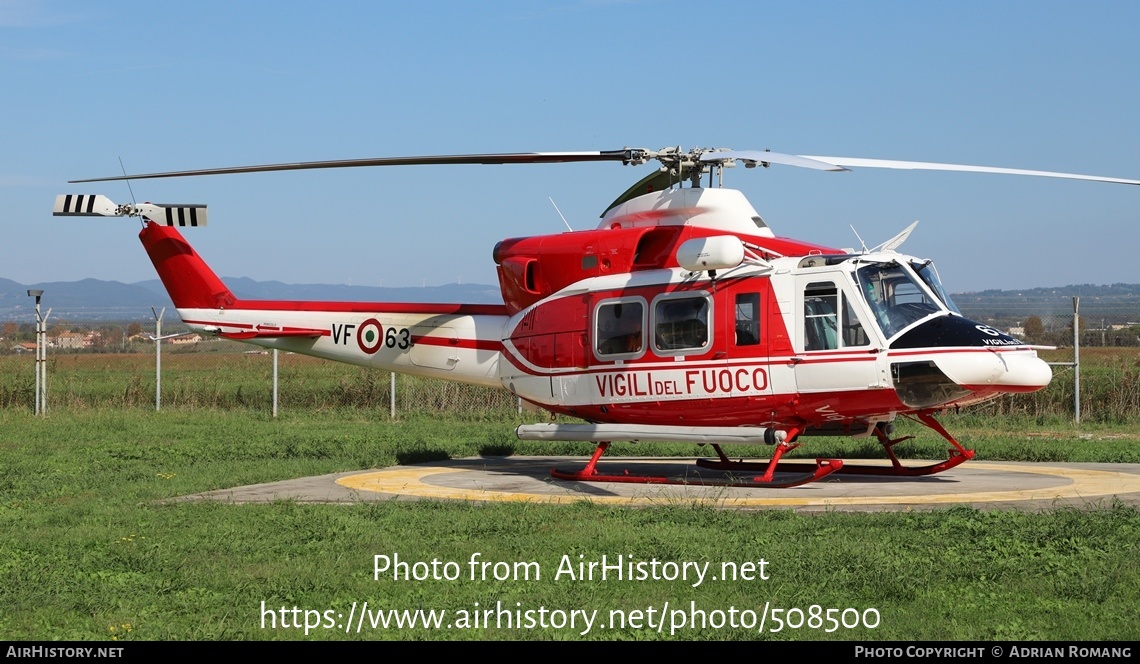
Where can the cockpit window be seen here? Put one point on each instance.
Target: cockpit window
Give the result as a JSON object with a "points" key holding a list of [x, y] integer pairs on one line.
{"points": [[894, 296], [926, 272]]}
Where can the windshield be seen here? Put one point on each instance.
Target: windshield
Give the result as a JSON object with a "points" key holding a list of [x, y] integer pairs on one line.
{"points": [[894, 296], [926, 272]]}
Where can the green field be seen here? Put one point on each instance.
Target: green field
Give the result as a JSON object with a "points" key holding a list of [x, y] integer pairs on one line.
{"points": [[92, 548]]}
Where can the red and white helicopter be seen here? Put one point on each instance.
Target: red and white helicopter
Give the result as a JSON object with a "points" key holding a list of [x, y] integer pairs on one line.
{"points": [[681, 317]]}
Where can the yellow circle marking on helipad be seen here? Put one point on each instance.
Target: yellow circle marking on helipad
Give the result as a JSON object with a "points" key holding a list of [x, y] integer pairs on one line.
{"points": [[1083, 484]]}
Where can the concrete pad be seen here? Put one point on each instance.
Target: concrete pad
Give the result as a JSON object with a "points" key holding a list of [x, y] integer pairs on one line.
{"points": [[987, 485]]}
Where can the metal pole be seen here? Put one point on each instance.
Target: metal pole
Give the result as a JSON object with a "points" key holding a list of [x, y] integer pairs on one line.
{"points": [[274, 382], [43, 365], [392, 395], [39, 355], [1076, 360], [158, 357]]}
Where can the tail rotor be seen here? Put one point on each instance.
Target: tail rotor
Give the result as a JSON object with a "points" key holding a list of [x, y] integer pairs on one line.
{"points": [[97, 205]]}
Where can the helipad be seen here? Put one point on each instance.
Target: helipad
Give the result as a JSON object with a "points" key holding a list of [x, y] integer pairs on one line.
{"points": [[1005, 485]]}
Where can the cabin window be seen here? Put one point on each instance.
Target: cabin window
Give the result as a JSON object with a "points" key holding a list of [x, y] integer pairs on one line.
{"points": [[681, 324], [619, 328], [830, 321], [821, 326], [747, 319]]}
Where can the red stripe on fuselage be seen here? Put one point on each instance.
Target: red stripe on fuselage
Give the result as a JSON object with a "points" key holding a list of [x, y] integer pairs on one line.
{"points": [[821, 360], [374, 307], [290, 331], [473, 344]]}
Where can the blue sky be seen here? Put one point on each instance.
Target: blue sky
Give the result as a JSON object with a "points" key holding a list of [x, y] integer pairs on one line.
{"points": [[172, 86]]}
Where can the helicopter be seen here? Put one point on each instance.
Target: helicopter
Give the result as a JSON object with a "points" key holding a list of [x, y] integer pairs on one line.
{"points": [[681, 317]]}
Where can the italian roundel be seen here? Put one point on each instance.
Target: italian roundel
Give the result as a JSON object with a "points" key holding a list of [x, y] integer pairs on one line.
{"points": [[370, 336]]}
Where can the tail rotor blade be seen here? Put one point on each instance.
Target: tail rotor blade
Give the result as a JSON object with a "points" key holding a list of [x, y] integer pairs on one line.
{"points": [[174, 214], [84, 205], [97, 205]]}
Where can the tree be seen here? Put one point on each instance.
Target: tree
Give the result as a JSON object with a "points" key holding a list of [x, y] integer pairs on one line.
{"points": [[1034, 330]]}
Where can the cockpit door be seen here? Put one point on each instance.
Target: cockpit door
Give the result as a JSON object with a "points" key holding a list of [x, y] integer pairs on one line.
{"points": [[836, 350]]}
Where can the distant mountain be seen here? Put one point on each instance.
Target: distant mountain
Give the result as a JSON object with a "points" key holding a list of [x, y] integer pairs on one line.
{"points": [[92, 299], [89, 299]]}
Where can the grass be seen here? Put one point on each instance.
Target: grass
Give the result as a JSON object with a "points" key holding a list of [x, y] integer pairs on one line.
{"points": [[207, 379], [91, 550]]}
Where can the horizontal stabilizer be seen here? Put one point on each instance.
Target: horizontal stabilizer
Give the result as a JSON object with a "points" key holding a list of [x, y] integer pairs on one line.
{"points": [[266, 332], [242, 336], [97, 205]]}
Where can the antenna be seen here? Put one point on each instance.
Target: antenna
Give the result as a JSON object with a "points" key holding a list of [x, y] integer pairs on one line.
{"points": [[861, 242], [134, 203], [560, 214]]}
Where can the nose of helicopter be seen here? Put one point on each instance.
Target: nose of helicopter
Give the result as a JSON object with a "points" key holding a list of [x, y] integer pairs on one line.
{"points": [[1004, 371], [964, 356]]}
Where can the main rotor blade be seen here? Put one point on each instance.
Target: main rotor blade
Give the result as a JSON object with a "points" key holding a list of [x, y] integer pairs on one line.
{"points": [[506, 158], [765, 157], [857, 162]]}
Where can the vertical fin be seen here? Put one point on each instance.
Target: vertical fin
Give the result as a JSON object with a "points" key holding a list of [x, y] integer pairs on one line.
{"points": [[190, 282]]}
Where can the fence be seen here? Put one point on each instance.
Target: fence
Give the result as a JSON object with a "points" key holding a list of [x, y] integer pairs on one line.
{"points": [[225, 374], [220, 374], [1068, 332]]}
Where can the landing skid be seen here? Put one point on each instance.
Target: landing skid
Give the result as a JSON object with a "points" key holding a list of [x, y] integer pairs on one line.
{"points": [[805, 473], [957, 455]]}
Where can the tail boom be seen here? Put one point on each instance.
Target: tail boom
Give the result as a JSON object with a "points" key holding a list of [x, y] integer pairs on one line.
{"points": [[460, 342], [464, 347]]}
